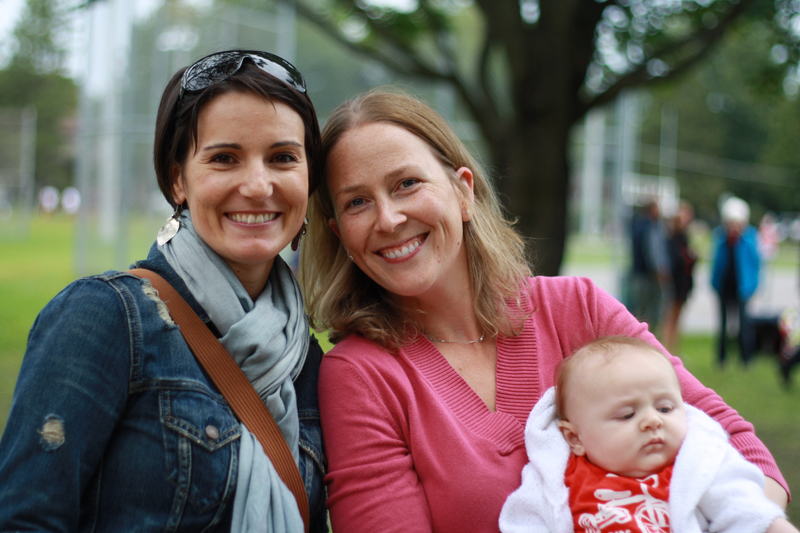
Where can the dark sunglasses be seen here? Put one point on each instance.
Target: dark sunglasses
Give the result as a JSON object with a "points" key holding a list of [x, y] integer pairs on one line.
{"points": [[221, 65]]}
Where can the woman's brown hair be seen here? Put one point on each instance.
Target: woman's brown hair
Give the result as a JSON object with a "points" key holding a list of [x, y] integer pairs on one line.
{"points": [[176, 121]]}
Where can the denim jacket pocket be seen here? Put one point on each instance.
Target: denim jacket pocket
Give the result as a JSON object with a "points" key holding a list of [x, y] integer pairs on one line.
{"points": [[202, 452]]}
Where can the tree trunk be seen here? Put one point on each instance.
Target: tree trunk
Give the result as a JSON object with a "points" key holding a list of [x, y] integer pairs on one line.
{"points": [[547, 68], [534, 185]]}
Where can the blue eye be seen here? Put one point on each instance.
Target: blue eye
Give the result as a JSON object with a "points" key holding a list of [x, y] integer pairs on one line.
{"points": [[409, 182], [355, 202], [664, 409]]}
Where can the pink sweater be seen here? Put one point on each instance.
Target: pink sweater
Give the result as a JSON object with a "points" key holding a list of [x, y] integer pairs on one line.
{"points": [[412, 448]]}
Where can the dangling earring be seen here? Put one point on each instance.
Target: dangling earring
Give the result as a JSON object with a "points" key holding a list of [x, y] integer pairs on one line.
{"points": [[296, 240], [170, 229]]}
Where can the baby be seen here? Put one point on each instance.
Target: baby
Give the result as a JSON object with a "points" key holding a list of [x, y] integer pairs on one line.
{"points": [[641, 460]]}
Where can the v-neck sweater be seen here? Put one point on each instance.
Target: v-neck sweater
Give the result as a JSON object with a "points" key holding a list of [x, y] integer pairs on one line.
{"points": [[411, 447]]}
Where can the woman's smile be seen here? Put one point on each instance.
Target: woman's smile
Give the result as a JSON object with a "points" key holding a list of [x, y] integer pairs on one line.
{"points": [[246, 181], [405, 250], [250, 218], [399, 212]]}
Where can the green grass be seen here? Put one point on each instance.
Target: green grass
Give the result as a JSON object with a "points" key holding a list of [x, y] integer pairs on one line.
{"points": [[591, 251], [36, 264], [600, 251], [759, 395], [34, 267]]}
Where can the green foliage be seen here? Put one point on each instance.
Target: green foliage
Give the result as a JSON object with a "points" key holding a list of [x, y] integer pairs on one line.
{"points": [[732, 106], [657, 36], [785, 15], [407, 28], [55, 99], [36, 36], [34, 78]]}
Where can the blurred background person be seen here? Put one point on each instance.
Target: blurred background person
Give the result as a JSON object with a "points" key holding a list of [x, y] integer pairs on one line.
{"points": [[735, 271], [682, 260], [769, 238], [650, 272]]}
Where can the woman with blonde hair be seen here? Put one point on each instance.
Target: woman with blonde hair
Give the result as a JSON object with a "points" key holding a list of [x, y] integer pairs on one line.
{"points": [[444, 341]]}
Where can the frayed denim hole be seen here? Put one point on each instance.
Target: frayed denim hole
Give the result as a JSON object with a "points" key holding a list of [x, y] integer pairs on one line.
{"points": [[163, 311], [52, 433]]}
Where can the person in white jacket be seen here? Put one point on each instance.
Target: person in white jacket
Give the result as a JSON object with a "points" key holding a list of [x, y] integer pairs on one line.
{"points": [[614, 448]]}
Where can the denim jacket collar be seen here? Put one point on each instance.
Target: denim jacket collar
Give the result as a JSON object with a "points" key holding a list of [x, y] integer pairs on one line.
{"points": [[158, 263]]}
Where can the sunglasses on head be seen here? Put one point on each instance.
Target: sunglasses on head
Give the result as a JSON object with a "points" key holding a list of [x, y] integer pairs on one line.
{"points": [[221, 65]]}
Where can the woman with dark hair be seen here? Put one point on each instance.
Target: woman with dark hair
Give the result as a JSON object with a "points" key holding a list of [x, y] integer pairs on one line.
{"points": [[682, 260], [444, 340], [114, 425]]}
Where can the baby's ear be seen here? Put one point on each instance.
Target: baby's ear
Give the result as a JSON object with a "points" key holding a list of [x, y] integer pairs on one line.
{"points": [[571, 436]]}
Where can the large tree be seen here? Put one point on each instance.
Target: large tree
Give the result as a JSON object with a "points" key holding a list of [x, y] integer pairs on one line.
{"points": [[528, 70], [35, 76]]}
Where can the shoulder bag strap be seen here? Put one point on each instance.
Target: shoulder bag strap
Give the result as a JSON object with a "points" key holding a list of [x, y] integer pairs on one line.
{"points": [[234, 386]]}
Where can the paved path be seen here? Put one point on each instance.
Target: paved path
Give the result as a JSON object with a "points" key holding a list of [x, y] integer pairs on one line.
{"points": [[778, 290]]}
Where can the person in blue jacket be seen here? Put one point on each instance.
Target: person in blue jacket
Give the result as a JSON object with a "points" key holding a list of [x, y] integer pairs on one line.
{"points": [[735, 272], [114, 425]]}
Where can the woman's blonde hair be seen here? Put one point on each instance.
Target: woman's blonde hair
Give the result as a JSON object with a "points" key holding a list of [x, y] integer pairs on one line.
{"points": [[342, 299]]}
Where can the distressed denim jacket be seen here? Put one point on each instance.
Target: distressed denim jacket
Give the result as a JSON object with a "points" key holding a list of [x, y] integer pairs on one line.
{"points": [[115, 427]]}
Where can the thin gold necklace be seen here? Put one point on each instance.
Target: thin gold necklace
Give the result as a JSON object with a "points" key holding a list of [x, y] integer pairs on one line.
{"points": [[459, 342]]}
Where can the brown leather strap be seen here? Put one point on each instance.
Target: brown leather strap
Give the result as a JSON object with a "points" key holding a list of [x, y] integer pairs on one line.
{"points": [[234, 386]]}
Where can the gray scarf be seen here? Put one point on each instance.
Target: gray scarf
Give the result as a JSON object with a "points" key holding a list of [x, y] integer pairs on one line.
{"points": [[268, 338]]}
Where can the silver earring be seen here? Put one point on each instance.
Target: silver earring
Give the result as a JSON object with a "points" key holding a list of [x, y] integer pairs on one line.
{"points": [[170, 229], [296, 240], [351, 258]]}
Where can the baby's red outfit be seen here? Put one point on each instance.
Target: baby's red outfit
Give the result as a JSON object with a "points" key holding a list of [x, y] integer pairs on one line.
{"points": [[607, 503]]}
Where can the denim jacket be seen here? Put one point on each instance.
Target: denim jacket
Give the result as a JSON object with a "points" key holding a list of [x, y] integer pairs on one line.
{"points": [[115, 427]]}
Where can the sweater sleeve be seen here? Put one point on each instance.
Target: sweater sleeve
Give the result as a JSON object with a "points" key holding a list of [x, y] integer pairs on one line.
{"points": [[372, 484], [614, 319]]}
